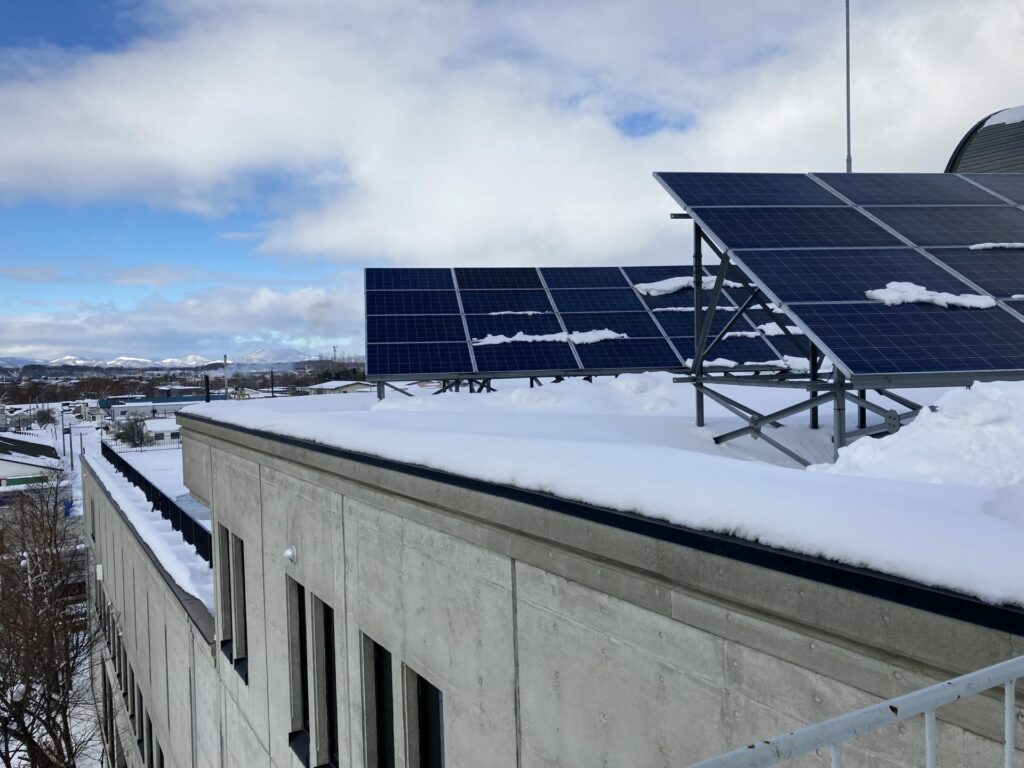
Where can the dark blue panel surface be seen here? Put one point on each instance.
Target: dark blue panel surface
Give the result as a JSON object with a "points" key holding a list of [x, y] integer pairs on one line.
{"points": [[738, 350], [694, 189], [643, 354], [597, 300], [1009, 185], [525, 356], [795, 228], [1000, 272], [681, 323], [955, 225], [510, 325], [907, 189], [584, 277], [634, 324], [417, 359], [844, 275], [917, 338], [408, 279], [497, 277], [405, 328], [657, 273], [486, 302], [411, 303]]}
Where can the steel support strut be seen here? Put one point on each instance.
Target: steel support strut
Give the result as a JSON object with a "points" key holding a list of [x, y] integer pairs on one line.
{"points": [[839, 415], [698, 302]]}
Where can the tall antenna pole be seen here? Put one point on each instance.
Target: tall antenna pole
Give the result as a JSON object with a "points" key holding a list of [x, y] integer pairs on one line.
{"points": [[849, 155]]}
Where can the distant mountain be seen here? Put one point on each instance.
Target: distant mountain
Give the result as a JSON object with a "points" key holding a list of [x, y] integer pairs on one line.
{"points": [[188, 361], [130, 362], [273, 355], [77, 362], [18, 362]]}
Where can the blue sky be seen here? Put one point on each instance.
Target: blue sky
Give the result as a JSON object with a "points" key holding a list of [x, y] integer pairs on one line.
{"points": [[179, 176]]}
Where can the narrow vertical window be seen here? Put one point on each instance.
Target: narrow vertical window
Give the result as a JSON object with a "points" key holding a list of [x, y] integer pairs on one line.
{"points": [[224, 581], [298, 738], [149, 742], [324, 684], [429, 722], [239, 634], [378, 703]]}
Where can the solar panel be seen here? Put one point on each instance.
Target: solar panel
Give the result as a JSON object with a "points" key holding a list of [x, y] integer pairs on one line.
{"points": [[600, 300], [417, 359], [584, 277], [524, 357], [656, 274], [696, 189], [794, 228], [1009, 185], [411, 303], [844, 274], [627, 354], [405, 328], [873, 338], [738, 350], [636, 325], [406, 279], [510, 325], [486, 302], [907, 189], [494, 278], [998, 271], [820, 261], [955, 225]]}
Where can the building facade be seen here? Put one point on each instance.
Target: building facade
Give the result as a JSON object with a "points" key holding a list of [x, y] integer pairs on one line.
{"points": [[369, 613]]}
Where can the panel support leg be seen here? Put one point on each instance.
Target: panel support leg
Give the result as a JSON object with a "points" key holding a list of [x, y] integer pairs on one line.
{"points": [[698, 312], [380, 390], [862, 412], [815, 362], [839, 415]]}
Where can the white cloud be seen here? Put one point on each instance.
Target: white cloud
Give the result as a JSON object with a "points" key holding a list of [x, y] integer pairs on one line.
{"points": [[484, 133]]}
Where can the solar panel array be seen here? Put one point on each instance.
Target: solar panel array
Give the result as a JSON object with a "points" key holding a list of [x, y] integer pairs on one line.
{"points": [[816, 243], [431, 322]]}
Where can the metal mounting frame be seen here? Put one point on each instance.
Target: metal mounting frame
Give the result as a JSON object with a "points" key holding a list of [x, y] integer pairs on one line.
{"points": [[837, 388]]}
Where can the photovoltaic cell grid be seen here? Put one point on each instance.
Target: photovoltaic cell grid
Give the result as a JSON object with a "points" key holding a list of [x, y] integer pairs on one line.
{"points": [[820, 259], [417, 322]]}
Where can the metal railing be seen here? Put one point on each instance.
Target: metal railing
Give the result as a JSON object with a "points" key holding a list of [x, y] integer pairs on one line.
{"points": [[191, 531], [123, 446], [833, 733]]}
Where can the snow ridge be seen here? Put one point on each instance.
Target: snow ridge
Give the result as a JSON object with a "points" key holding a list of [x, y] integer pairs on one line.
{"points": [[896, 293], [576, 337], [673, 284], [994, 246]]}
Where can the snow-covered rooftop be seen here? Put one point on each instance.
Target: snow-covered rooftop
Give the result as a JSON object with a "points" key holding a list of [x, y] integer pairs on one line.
{"points": [[162, 425], [941, 502]]}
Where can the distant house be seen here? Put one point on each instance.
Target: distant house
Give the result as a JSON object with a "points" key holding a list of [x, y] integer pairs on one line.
{"points": [[23, 461], [339, 388], [162, 429], [178, 390]]}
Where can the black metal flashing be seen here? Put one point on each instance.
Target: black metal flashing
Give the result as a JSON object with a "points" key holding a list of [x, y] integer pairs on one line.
{"points": [[944, 602], [197, 612]]}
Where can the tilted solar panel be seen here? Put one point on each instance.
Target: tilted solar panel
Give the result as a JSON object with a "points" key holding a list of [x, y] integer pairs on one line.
{"points": [[502, 325], [793, 228], [733, 189], [907, 189], [821, 262]]}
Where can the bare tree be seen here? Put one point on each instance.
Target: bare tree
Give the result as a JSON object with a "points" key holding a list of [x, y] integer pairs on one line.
{"points": [[134, 432], [47, 716], [45, 417]]}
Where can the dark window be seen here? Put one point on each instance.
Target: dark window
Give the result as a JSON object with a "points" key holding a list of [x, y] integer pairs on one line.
{"points": [[430, 722], [298, 666], [149, 742], [325, 702], [378, 703]]}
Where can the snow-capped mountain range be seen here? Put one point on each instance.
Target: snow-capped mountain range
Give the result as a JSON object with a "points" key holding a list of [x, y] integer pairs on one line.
{"points": [[265, 356]]}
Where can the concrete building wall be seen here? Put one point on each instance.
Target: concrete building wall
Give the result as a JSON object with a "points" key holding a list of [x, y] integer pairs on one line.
{"points": [[554, 640]]}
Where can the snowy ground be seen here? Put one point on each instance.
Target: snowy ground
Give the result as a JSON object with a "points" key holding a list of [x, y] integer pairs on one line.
{"points": [[938, 503]]}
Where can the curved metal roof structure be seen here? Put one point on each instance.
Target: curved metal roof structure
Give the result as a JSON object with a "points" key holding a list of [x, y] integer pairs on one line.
{"points": [[994, 145]]}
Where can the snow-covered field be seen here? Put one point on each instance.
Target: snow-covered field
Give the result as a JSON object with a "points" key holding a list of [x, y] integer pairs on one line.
{"points": [[938, 503]]}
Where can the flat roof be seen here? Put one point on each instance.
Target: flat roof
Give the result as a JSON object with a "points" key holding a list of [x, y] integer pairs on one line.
{"points": [[933, 504]]}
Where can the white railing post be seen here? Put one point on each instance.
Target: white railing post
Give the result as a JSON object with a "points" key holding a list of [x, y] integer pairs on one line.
{"points": [[929, 738], [836, 750], [1009, 716]]}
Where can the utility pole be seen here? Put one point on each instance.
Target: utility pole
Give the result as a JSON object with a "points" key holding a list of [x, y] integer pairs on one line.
{"points": [[849, 153]]}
